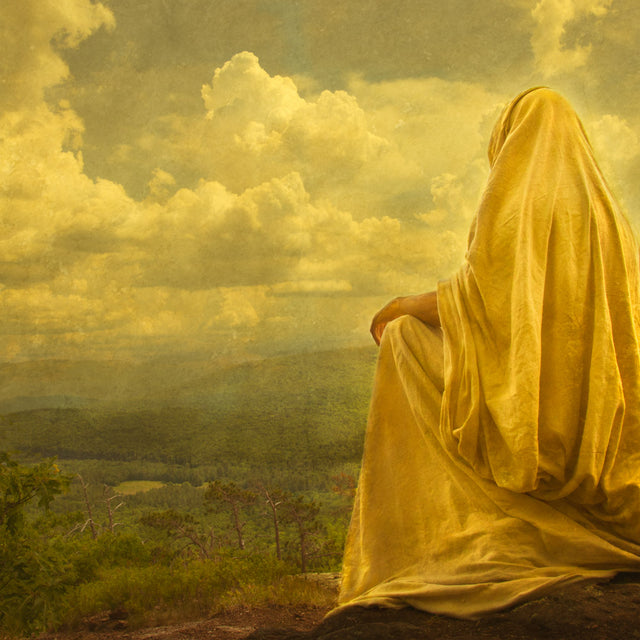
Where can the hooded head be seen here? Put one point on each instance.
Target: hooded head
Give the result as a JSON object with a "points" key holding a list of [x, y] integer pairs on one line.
{"points": [[536, 112]]}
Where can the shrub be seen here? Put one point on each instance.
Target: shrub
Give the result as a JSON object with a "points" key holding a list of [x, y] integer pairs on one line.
{"points": [[33, 572], [154, 595]]}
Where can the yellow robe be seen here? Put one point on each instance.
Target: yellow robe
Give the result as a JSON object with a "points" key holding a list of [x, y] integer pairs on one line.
{"points": [[502, 454]]}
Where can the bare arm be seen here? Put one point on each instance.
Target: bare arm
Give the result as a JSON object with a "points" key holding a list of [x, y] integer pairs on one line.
{"points": [[423, 306]]}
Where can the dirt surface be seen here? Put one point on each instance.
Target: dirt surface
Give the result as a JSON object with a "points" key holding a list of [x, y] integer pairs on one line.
{"points": [[231, 625], [587, 612], [605, 611]]}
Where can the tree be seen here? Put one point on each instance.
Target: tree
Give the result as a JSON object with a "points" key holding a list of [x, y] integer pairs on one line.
{"points": [[20, 484], [32, 573], [303, 514], [90, 521], [181, 526], [274, 498], [221, 496], [345, 485], [109, 496]]}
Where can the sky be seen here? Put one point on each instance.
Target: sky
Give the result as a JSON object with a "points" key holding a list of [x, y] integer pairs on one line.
{"points": [[244, 178]]}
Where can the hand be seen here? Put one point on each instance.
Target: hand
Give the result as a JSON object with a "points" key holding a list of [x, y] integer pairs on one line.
{"points": [[423, 306], [389, 312]]}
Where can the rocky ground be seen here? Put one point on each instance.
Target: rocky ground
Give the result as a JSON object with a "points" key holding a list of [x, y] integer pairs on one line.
{"points": [[232, 625], [605, 611]]}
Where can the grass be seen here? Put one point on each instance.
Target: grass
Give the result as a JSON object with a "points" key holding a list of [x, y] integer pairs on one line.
{"points": [[131, 487], [288, 591], [161, 595]]}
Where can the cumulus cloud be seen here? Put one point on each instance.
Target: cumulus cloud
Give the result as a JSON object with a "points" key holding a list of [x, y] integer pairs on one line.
{"points": [[51, 210], [303, 205], [254, 96], [258, 128], [277, 216], [239, 308], [31, 34], [614, 139], [371, 150], [311, 287], [551, 18], [616, 144], [161, 185], [320, 190]]}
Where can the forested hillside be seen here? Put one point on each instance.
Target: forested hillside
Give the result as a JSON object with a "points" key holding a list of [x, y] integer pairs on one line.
{"points": [[223, 479], [303, 414]]}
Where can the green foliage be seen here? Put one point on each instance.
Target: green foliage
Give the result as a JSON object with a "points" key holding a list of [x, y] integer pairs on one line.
{"points": [[229, 496], [160, 594], [239, 485], [56, 574], [303, 514], [20, 484], [171, 444], [89, 557], [31, 571], [344, 485], [286, 420], [33, 577], [289, 590], [182, 527]]}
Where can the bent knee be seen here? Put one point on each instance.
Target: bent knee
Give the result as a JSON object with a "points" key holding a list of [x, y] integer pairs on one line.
{"points": [[408, 328], [412, 332], [407, 322], [408, 335]]}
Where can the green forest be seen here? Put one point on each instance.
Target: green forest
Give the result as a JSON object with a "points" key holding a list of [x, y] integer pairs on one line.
{"points": [[181, 501]]}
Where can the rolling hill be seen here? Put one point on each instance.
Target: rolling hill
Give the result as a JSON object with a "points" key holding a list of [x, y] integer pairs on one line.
{"points": [[309, 408]]}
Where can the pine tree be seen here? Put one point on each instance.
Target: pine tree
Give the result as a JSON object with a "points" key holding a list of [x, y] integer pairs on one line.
{"points": [[229, 496]]}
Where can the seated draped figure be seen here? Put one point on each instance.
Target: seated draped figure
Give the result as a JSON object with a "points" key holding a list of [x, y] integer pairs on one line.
{"points": [[502, 452]]}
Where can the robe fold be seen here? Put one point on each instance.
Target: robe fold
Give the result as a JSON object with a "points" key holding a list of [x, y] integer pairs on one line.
{"points": [[502, 453]]}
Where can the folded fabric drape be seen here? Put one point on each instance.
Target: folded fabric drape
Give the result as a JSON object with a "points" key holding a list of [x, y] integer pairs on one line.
{"points": [[502, 454]]}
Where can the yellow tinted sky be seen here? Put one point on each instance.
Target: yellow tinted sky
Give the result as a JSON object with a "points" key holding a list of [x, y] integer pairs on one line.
{"points": [[246, 177]]}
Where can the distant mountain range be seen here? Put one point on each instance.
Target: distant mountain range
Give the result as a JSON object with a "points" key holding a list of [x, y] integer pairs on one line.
{"points": [[205, 384], [304, 407]]}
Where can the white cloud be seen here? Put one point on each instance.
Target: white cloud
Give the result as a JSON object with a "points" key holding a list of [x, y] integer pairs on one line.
{"points": [[304, 205], [239, 308], [616, 144], [161, 185], [30, 28], [246, 91], [311, 287], [551, 17], [614, 139], [259, 128]]}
